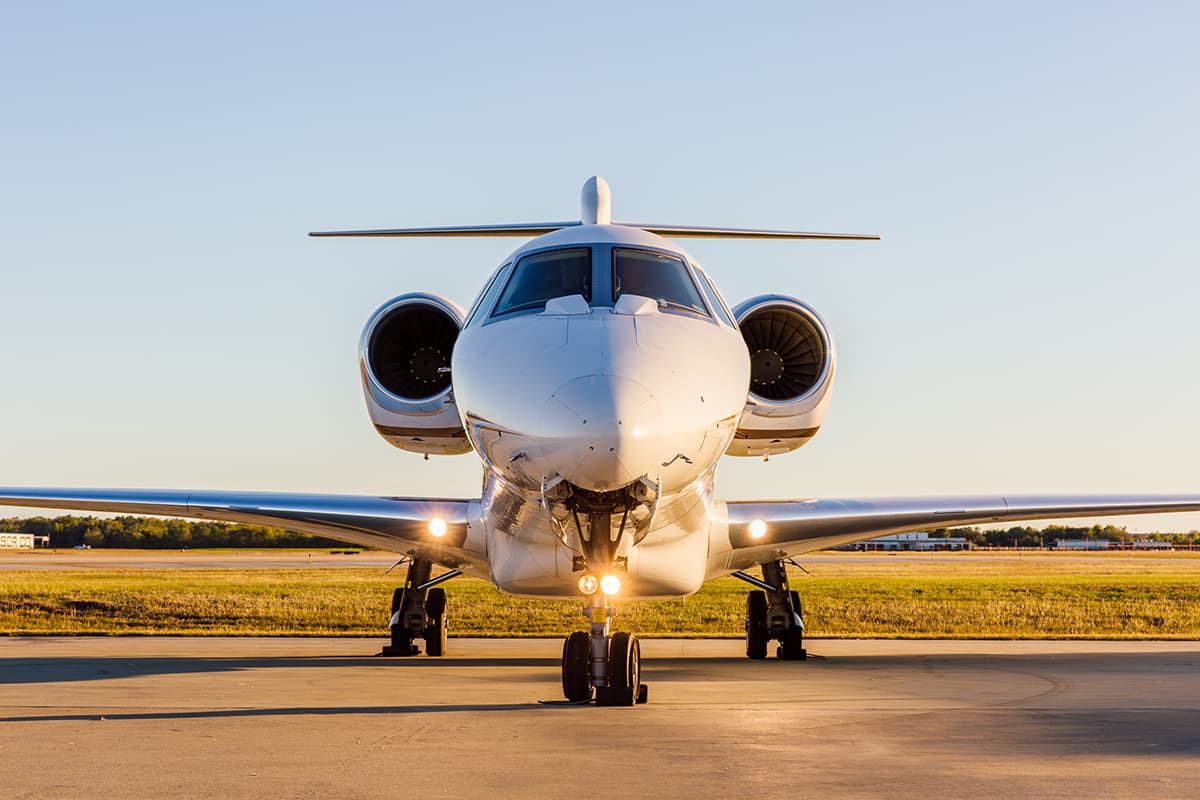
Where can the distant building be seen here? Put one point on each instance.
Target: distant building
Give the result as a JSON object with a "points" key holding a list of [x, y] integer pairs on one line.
{"points": [[919, 540], [22, 541], [1082, 544], [1150, 544]]}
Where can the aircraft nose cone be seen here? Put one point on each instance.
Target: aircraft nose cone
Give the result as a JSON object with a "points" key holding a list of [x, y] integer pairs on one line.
{"points": [[602, 432]]}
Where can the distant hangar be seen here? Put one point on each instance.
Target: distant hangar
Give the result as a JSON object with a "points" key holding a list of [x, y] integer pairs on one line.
{"points": [[22, 541]]}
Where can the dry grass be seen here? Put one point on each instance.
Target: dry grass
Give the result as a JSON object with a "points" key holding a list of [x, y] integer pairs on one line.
{"points": [[1038, 596]]}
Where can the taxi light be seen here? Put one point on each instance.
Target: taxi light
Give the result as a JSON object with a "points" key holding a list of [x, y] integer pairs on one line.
{"points": [[758, 529], [610, 584], [588, 584], [437, 527]]}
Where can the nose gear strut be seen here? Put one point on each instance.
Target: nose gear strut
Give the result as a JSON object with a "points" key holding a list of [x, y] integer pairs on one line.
{"points": [[598, 662]]}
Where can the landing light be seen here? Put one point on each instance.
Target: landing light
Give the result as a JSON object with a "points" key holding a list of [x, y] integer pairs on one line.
{"points": [[588, 584], [610, 584], [437, 527], [758, 529]]}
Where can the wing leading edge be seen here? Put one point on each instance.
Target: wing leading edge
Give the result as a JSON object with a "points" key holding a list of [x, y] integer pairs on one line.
{"points": [[400, 524], [802, 526]]}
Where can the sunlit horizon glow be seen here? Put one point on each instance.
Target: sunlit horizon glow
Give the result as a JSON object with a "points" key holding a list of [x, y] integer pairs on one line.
{"points": [[1027, 325]]}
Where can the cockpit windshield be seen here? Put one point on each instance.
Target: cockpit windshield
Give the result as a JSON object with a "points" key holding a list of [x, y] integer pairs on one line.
{"points": [[545, 276], [661, 277]]}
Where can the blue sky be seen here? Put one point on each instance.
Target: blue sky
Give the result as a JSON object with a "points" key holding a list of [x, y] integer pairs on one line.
{"points": [[1028, 324]]}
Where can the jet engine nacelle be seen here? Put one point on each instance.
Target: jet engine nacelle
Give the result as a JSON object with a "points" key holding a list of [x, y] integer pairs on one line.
{"points": [[404, 356], [792, 361]]}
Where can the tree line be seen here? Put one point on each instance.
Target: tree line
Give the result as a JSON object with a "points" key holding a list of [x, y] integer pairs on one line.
{"points": [[155, 534], [1025, 536], [173, 534]]}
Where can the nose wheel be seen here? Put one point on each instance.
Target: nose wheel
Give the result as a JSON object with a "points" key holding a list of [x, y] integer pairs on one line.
{"points": [[608, 668]]}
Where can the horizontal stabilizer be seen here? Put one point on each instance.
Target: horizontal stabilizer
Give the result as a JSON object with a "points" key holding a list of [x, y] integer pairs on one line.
{"points": [[520, 229], [700, 232], [596, 209], [530, 229]]}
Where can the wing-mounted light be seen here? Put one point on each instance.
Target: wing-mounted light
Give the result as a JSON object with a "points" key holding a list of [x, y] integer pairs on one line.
{"points": [[792, 362], [404, 356]]}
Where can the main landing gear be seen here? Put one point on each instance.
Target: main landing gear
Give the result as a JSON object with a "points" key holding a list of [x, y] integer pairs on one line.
{"points": [[609, 666], [773, 612], [419, 612]]}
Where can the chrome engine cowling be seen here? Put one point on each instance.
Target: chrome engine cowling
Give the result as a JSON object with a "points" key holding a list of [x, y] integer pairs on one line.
{"points": [[404, 357], [792, 361]]}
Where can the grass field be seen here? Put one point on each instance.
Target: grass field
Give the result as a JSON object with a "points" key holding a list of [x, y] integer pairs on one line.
{"points": [[1100, 596]]}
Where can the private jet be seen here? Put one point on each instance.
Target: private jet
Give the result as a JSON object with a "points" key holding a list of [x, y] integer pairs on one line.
{"points": [[599, 376]]}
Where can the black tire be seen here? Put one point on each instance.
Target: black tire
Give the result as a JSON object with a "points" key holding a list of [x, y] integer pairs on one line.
{"points": [[791, 647], [436, 626], [435, 603], [625, 662], [576, 680], [756, 625], [401, 644], [435, 636]]}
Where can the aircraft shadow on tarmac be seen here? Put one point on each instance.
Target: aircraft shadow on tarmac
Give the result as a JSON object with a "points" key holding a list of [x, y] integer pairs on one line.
{"points": [[1040, 723], [68, 669], [229, 713]]}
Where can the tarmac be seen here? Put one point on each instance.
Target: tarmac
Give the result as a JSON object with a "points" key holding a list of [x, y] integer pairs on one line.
{"points": [[324, 718]]}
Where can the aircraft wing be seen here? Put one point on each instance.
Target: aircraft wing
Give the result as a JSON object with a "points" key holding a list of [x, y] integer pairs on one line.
{"points": [[400, 524], [802, 526]]}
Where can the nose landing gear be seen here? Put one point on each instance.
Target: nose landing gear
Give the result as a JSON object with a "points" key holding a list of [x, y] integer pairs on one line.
{"points": [[608, 666], [598, 663]]}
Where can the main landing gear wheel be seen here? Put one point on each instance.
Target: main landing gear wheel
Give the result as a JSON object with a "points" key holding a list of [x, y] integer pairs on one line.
{"points": [[756, 625], [419, 612], [435, 628], [576, 677], [791, 647], [773, 614], [402, 637], [791, 644]]}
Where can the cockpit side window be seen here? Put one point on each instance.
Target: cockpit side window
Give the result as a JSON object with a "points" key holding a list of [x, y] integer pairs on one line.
{"points": [[487, 290], [545, 276], [661, 277], [714, 299]]}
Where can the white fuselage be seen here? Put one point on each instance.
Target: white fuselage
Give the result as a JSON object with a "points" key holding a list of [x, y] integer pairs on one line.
{"points": [[599, 395]]}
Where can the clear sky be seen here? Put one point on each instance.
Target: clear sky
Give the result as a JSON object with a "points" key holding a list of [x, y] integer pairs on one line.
{"points": [[1029, 323]]}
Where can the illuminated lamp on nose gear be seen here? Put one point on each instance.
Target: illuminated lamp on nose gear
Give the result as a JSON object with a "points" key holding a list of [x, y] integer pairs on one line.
{"points": [[588, 584], [610, 584]]}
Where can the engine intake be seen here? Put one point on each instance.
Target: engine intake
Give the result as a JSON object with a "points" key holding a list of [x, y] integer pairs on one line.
{"points": [[405, 358], [788, 351], [792, 361], [409, 347]]}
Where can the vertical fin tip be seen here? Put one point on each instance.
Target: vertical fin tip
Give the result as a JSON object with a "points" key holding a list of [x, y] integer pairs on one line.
{"points": [[595, 202]]}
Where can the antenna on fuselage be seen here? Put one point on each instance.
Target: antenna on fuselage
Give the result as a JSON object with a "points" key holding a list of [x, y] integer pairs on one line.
{"points": [[596, 209]]}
